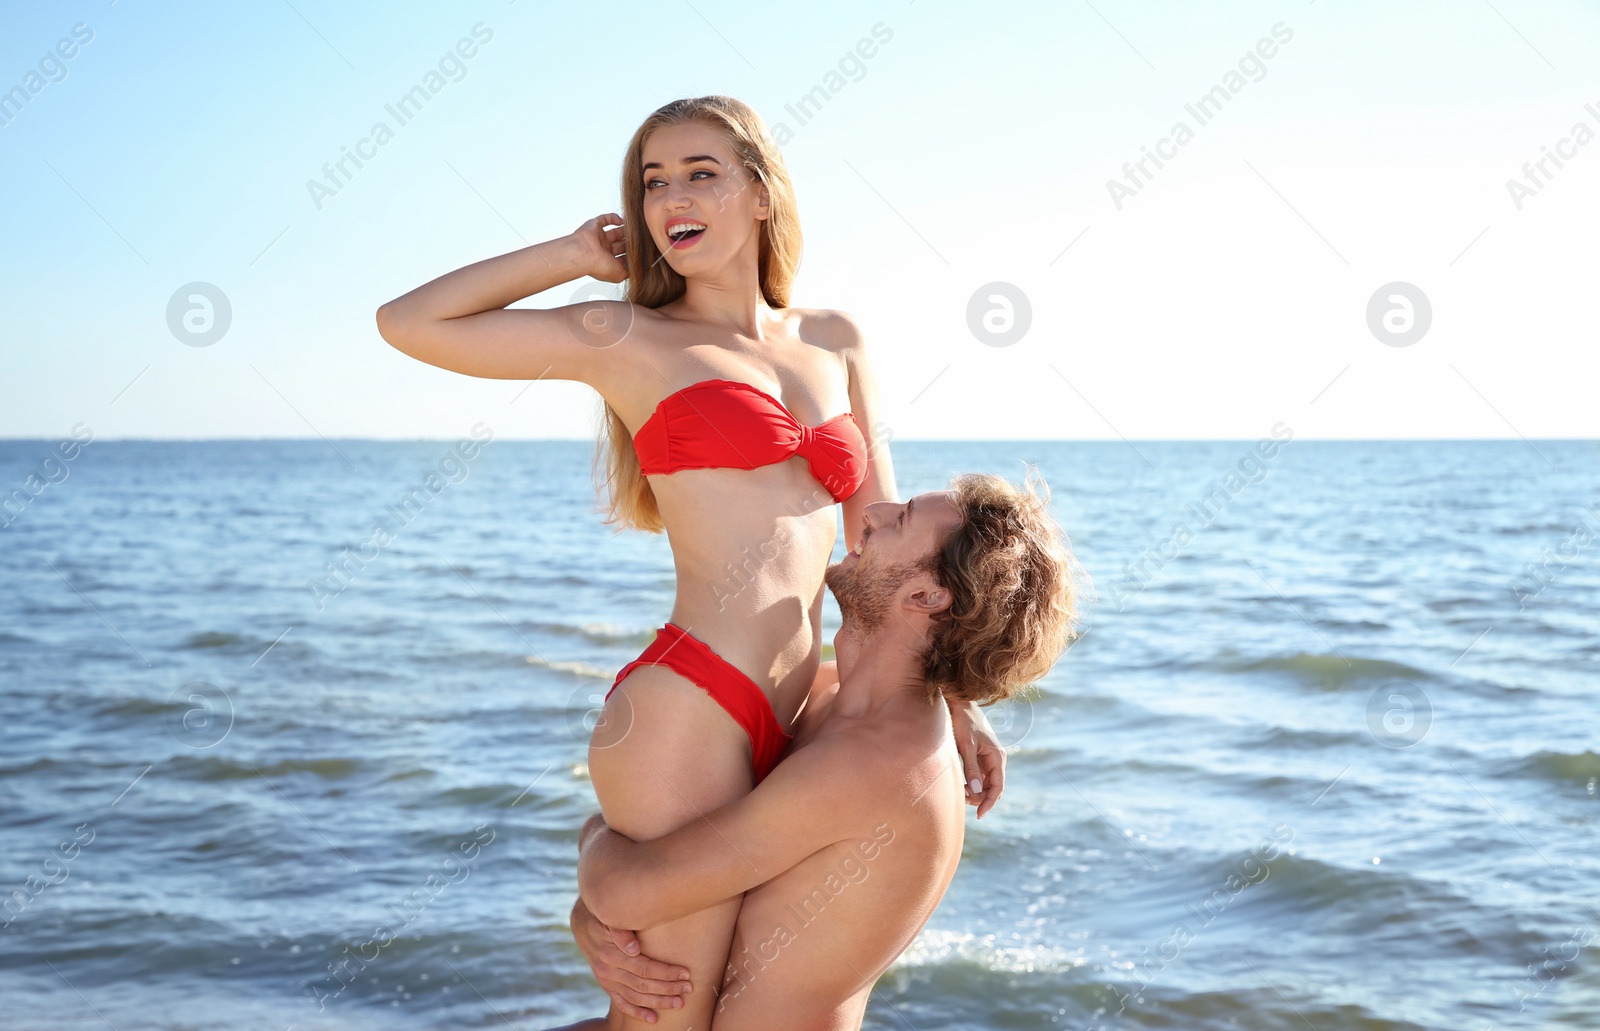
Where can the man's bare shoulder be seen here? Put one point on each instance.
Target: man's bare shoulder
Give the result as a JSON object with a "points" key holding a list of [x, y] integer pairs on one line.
{"points": [[889, 757]]}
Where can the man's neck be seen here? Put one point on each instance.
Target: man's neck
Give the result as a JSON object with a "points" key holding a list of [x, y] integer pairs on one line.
{"points": [[876, 669]]}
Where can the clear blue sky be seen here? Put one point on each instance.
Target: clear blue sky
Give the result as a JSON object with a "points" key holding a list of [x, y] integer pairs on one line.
{"points": [[1228, 293]]}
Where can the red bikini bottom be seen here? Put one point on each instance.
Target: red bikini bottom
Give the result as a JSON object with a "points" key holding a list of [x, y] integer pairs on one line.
{"points": [[690, 658]]}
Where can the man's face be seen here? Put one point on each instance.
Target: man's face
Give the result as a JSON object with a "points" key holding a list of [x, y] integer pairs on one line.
{"points": [[884, 572]]}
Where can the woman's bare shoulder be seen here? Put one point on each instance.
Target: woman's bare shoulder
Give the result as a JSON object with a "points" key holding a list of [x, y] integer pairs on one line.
{"points": [[829, 329]]}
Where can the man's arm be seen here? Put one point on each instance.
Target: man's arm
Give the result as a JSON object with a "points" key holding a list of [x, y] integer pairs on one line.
{"points": [[637, 984], [809, 801]]}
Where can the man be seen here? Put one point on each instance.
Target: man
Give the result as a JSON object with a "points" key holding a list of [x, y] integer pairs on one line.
{"points": [[844, 851]]}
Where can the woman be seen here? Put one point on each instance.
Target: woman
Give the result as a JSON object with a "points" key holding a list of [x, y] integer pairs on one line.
{"points": [[734, 423]]}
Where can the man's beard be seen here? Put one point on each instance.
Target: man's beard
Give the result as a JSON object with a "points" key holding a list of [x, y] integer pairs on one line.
{"points": [[865, 596]]}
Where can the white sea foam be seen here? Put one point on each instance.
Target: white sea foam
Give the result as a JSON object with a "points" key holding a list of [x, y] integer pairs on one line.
{"points": [[934, 947], [577, 669]]}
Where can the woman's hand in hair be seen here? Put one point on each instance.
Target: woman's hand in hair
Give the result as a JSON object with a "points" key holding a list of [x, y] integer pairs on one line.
{"points": [[603, 250]]}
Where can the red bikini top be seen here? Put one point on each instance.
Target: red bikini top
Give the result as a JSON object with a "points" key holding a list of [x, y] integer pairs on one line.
{"points": [[725, 424]]}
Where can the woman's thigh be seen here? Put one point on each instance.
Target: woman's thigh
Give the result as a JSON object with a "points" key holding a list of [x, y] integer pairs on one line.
{"points": [[664, 754]]}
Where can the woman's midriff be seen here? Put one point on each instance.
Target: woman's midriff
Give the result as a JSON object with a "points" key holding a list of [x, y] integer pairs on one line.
{"points": [[750, 548]]}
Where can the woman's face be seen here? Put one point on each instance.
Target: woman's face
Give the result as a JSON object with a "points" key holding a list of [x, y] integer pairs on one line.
{"points": [[691, 179]]}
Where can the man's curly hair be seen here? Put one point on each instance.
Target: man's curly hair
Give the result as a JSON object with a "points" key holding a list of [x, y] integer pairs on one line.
{"points": [[1014, 591]]}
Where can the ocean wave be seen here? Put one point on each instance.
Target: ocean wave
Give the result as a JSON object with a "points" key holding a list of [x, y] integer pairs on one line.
{"points": [[215, 767], [945, 947], [948, 981], [1301, 885], [228, 643], [1076, 701], [576, 670], [479, 658], [1571, 767], [474, 796], [1324, 672], [1258, 777], [39, 608], [1331, 623], [130, 943], [207, 639], [599, 633], [136, 707], [411, 773], [511, 582], [37, 766], [1541, 529], [1295, 740], [446, 570], [1248, 1004], [1451, 604]]}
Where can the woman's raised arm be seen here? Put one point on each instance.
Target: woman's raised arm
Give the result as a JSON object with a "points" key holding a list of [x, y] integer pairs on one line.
{"points": [[460, 321], [983, 757], [879, 484]]}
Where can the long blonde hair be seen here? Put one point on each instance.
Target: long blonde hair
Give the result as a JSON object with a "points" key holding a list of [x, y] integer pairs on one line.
{"points": [[652, 282]]}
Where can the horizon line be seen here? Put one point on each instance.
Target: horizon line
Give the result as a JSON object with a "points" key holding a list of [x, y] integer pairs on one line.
{"points": [[905, 440]]}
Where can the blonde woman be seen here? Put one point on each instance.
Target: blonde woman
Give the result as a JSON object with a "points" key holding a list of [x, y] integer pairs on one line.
{"points": [[734, 423]]}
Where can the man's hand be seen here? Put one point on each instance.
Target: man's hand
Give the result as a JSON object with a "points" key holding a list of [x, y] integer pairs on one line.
{"points": [[982, 756], [639, 985]]}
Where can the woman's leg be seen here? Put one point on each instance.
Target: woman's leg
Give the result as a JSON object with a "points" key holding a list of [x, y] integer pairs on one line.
{"points": [[664, 754]]}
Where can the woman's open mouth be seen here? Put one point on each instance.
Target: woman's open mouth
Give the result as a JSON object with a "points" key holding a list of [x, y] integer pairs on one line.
{"points": [[684, 234]]}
